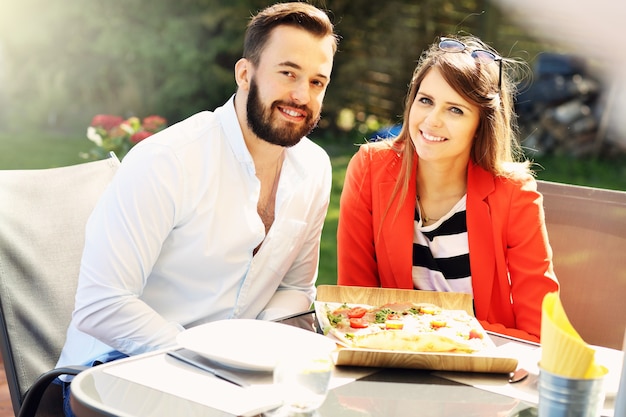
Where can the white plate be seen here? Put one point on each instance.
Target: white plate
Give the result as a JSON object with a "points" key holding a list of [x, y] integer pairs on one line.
{"points": [[251, 344]]}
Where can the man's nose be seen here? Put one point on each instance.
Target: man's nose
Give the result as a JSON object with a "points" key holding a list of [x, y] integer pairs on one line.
{"points": [[301, 93]]}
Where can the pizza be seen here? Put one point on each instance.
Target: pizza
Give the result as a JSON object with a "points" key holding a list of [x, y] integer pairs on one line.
{"points": [[403, 326]]}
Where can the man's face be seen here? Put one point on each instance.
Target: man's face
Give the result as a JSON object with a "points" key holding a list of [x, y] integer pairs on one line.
{"points": [[264, 121], [287, 88]]}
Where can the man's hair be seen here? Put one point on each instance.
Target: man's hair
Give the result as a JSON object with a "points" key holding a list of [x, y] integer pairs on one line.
{"points": [[296, 14]]}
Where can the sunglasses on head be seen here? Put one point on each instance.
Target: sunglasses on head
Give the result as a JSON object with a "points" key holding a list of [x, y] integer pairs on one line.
{"points": [[481, 55]]}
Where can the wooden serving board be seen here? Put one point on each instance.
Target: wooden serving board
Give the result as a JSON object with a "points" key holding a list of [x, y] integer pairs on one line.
{"points": [[458, 362], [378, 296], [488, 362]]}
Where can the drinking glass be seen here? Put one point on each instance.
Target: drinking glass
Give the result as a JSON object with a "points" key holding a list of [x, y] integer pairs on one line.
{"points": [[302, 380]]}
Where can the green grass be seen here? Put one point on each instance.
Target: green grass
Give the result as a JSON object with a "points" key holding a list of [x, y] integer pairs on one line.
{"points": [[37, 150], [328, 248], [593, 172], [40, 150]]}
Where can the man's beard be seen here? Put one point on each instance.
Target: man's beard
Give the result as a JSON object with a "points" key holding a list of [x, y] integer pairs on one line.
{"points": [[261, 122]]}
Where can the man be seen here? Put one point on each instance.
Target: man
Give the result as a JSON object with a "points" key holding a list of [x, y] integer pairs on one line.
{"points": [[220, 215]]}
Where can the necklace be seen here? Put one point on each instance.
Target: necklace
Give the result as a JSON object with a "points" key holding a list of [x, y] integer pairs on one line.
{"points": [[423, 214]]}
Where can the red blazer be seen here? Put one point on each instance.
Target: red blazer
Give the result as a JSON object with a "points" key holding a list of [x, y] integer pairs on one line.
{"points": [[510, 256]]}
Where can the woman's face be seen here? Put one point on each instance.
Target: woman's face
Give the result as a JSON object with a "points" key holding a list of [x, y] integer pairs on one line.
{"points": [[442, 124]]}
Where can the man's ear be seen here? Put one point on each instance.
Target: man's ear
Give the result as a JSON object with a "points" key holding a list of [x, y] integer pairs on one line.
{"points": [[243, 73]]}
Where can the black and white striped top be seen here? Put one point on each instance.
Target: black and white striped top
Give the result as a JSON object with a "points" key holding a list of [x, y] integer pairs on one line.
{"points": [[441, 252]]}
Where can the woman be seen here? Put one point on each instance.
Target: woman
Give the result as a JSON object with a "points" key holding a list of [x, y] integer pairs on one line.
{"points": [[445, 206]]}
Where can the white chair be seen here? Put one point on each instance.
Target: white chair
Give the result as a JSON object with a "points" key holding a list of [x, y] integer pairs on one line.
{"points": [[587, 231], [43, 213]]}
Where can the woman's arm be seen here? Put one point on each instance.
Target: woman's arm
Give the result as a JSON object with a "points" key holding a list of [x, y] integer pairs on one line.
{"points": [[529, 259]]}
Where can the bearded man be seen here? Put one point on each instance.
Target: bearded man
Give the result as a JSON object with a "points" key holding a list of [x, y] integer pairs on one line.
{"points": [[218, 216]]}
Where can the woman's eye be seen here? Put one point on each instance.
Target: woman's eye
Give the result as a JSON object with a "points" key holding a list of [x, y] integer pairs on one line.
{"points": [[425, 100], [456, 110]]}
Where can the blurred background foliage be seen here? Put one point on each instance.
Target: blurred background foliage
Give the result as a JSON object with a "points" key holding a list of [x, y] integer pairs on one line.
{"points": [[63, 61]]}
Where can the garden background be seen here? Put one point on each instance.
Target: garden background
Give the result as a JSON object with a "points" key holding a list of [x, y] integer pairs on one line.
{"points": [[63, 62]]}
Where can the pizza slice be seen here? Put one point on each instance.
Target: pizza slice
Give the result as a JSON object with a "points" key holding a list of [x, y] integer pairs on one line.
{"points": [[403, 326], [410, 342]]}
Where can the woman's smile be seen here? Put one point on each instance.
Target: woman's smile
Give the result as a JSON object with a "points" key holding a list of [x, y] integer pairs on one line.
{"points": [[431, 138]]}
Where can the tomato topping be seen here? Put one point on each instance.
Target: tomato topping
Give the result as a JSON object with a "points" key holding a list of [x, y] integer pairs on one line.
{"points": [[393, 316], [358, 323], [475, 334], [357, 312]]}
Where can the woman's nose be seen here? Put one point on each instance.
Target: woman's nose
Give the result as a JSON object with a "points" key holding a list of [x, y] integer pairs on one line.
{"points": [[434, 118]]}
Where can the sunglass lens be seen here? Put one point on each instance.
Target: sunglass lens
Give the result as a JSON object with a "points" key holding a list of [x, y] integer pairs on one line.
{"points": [[451, 45], [483, 56]]}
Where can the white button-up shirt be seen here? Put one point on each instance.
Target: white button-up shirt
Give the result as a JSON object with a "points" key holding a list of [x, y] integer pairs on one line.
{"points": [[170, 242]]}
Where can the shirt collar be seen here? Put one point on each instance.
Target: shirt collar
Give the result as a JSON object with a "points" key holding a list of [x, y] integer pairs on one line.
{"points": [[234, 135]]}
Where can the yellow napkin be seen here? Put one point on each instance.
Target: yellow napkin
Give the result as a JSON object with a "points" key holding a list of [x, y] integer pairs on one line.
{"points": [[563, 351]]}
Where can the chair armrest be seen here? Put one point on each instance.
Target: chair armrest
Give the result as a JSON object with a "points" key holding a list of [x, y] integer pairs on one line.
{"points": [[33, 396]]}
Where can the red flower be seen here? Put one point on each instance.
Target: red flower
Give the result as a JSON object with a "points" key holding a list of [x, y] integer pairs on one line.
{"points": [[139, 136], [112, 133], [154, 123], [117, 132], [106, 121]]}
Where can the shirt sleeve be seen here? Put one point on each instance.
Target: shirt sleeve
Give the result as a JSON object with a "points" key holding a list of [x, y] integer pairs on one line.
{"points": [[123, 239]]}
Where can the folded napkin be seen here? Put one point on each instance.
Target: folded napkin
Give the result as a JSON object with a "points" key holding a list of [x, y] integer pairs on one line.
{"points": [[563, 351]]}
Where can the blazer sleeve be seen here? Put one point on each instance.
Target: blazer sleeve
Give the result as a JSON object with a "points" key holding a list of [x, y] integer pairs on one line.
{"points": [[528, 258], [356, 258]]}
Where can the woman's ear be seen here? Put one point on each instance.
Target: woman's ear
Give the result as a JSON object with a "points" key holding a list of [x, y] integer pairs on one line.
{"points": [[243, 73]]}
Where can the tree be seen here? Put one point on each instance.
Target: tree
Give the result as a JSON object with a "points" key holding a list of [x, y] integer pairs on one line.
{"points": [[69, 60]]}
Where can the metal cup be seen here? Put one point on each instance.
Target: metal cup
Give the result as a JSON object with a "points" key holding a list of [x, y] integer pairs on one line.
{"points": [[561, 396]]}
